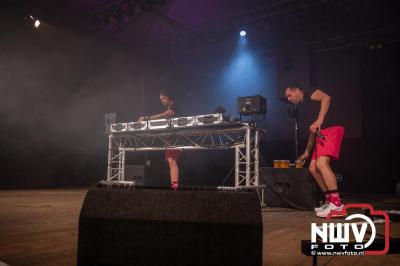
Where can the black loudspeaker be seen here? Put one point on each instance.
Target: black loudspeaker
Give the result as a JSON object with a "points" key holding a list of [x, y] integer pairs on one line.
{"points": [[252, 105], [289, 188], [149, 226], [136, 174]]}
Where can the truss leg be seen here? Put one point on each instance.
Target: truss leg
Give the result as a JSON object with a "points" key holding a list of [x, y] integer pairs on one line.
{"points": [[119, 165], [110, 155], [256, 158], [123, 165], [248, 155], [237, 166]]}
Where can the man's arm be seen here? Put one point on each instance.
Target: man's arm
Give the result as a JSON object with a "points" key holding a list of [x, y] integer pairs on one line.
{"points": [[310, 142], [165, 114], [309, 147], [325, 100]]}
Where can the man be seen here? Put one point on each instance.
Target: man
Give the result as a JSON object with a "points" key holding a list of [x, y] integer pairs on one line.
{"points": [[171, 156], [327, 144]]}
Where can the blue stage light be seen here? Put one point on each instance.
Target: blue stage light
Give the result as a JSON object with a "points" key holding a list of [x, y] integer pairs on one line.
{"points": [[242, 33]]}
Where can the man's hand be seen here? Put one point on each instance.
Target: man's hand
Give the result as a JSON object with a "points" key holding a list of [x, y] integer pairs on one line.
{"points": [[303, 158], [316, 125], [144, 118]]}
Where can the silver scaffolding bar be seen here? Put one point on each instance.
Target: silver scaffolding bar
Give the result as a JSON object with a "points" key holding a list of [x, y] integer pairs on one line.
{"points": [[237, 168], [178, 148], [110, 155], [122, 177], [256, 157], [248, 155]]}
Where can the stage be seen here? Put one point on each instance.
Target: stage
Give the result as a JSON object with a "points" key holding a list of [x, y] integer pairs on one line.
{"points": [[40, 227]]}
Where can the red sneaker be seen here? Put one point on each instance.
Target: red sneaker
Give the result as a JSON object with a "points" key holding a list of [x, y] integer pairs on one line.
{"points": [[174, 185]]}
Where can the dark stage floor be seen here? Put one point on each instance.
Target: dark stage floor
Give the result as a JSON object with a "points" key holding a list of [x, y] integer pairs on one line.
{"points": [[39, 227]]}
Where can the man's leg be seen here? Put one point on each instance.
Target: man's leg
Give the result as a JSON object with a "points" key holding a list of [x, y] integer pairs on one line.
{"points": [[323, 165], [321, 183], [317, 176], [173, 170]]}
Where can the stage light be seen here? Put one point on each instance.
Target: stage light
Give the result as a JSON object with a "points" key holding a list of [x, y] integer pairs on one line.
{"points": [[242, 75], [242, 33], [35, 22]]}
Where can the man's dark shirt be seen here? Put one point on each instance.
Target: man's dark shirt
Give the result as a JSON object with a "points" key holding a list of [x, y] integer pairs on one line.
{"points": [[174, 107], [309, 111]]}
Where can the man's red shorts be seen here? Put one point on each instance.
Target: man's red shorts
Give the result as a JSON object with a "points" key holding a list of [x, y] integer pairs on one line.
{"points": [[331, 145], [173, 154]]}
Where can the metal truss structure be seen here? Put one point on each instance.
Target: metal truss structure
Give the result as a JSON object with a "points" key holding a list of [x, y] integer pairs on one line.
{"points": [[243, 138]]}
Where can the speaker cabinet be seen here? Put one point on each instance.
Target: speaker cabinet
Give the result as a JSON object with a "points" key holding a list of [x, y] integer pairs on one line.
{"points": [[289, 188], [136, 174], [148, 226]]}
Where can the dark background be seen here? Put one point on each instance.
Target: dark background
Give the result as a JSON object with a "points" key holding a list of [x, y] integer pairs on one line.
{"points": [[86, 59]]}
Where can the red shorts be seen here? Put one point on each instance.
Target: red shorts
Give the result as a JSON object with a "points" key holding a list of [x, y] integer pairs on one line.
{"points": [[173, 154], [331, 145]]}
